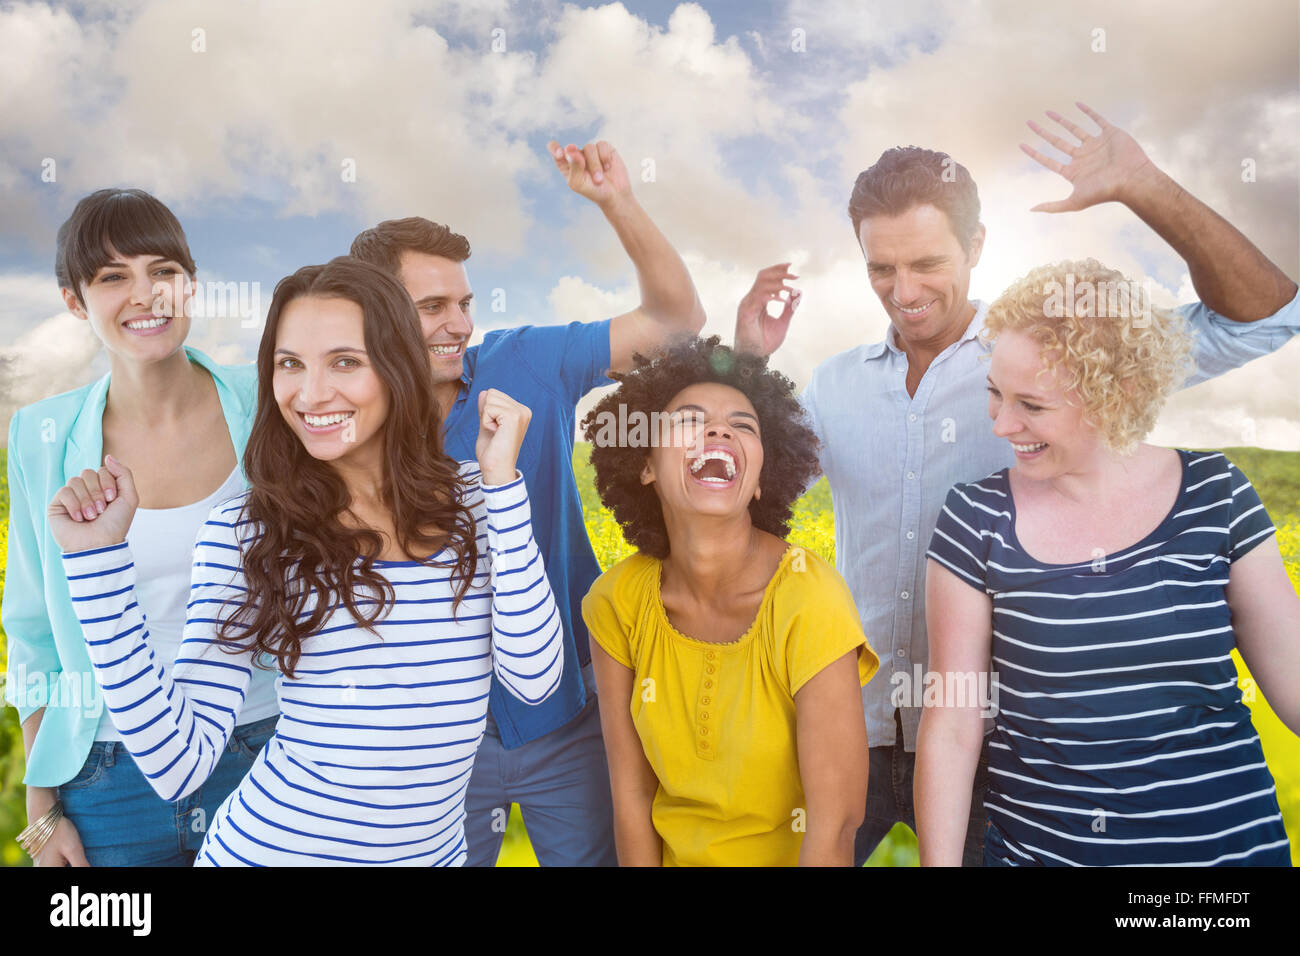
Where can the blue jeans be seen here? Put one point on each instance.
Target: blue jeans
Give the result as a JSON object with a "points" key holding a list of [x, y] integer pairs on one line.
{"points": [[889, 800], [561, 783], [123, 822]]}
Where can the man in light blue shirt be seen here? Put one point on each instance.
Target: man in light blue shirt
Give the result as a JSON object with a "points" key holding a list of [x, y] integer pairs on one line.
{"points": [[901, 421]]}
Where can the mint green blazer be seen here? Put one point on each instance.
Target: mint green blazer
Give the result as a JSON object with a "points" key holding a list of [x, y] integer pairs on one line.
{"points": [[51, 442]]}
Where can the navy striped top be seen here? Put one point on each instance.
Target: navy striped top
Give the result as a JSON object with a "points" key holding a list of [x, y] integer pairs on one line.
{"points": [[377, 735], [1120, 736]]}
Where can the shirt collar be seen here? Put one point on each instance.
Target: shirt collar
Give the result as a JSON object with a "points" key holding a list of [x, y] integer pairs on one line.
{"points": [[85, 446], [877, 349]]}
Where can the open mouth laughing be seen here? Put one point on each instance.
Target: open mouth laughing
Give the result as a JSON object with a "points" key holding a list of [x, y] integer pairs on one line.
{"points": [[714, 467]]}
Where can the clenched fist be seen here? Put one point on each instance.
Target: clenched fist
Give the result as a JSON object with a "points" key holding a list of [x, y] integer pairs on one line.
{"points": [[502, 424], [596, 171], [94, 509]]}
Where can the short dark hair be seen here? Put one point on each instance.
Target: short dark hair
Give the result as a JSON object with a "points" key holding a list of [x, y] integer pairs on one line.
{"points": [[789, 445], [128, 221], [908, 176], [383, 245]]}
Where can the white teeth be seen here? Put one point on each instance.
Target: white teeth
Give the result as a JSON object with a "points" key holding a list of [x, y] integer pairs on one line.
{"points": [[321, 421], [141, 324], [1029, 448], [715, 455], [916, 311], [444, 349]]}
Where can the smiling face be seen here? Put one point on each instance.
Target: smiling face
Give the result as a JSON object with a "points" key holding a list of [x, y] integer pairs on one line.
{"points": [[710, 453], [440, 288], [1031, 411], [136, 305], [920, 272], [324, 383]]}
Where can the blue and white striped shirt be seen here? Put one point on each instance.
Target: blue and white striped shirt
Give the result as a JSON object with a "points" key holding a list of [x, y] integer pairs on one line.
{"points": [[372, 755], [1121, 737]]}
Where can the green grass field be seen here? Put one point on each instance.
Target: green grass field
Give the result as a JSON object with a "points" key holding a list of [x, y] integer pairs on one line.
{"points": [[1276, 475]]}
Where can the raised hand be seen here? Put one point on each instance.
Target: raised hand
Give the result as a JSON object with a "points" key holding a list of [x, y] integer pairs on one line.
{"points": [[502, 424], [596, 171], [1103, 167], [757, 331], [94, 509]]}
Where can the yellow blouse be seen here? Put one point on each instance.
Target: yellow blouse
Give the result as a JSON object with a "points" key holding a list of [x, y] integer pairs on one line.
{"points": [[717, 721]]}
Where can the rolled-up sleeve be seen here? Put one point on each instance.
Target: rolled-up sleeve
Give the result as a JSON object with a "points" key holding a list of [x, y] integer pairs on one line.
{"points": [[1221, 344]]}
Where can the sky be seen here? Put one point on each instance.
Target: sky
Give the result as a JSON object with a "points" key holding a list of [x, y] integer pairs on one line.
{"points": [[743, 126]]}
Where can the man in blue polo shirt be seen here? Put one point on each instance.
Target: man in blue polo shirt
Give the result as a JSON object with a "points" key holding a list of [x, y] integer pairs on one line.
{"points": [[548, 758]]}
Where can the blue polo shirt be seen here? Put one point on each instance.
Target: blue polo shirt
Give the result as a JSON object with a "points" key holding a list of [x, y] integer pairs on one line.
{"points": [[549, 369]]}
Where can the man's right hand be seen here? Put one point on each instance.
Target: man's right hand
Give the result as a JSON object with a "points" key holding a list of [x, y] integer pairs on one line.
{"points": [[757, 332], [595, 171]]}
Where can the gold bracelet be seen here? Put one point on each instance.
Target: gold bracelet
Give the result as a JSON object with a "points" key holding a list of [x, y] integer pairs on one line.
{"points": [[35, 836], [36, 840], [36, 825]]}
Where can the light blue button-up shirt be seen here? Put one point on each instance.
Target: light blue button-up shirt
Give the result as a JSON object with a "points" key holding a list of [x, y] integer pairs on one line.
{"points": [[51, 442], [891, 457]]}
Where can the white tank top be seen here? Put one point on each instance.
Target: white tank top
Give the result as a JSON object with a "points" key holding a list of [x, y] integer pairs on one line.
{"points": [[162, 545]]}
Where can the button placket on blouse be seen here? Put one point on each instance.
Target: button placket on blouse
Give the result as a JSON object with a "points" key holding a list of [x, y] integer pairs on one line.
{"points": [[706, 739]]}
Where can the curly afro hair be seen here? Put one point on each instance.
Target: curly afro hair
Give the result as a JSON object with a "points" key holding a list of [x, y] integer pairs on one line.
{"points": [[789, 445]]}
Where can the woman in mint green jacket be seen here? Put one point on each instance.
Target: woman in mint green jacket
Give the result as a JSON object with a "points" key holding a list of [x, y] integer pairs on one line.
{"points": [[180, 421]]}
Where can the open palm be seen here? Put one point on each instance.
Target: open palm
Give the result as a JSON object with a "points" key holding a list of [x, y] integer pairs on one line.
{"points": [[1101, 166]]}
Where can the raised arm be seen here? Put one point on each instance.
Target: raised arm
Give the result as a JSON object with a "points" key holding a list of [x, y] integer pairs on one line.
{"points": [[175, 725], [1231, 276], [959, 621], [527, 641], [670, 306]]}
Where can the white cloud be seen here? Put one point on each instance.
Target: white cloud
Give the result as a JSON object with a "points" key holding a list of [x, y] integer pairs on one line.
{"points": [[55, 356], [447, 128], [24, 295]]}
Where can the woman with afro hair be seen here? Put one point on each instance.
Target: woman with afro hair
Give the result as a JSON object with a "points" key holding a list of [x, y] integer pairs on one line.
{"points": [[731, 663]]}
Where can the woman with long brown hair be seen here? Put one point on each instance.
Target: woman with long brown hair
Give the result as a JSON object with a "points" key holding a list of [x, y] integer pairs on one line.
{"points": [[385, 581]]}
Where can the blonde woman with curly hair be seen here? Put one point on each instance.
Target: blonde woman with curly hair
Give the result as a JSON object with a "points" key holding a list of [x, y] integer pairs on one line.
{"points": [[1108, 581]]}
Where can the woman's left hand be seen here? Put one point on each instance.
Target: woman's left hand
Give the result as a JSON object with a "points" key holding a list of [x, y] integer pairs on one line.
{"points": [[502, 424]]}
